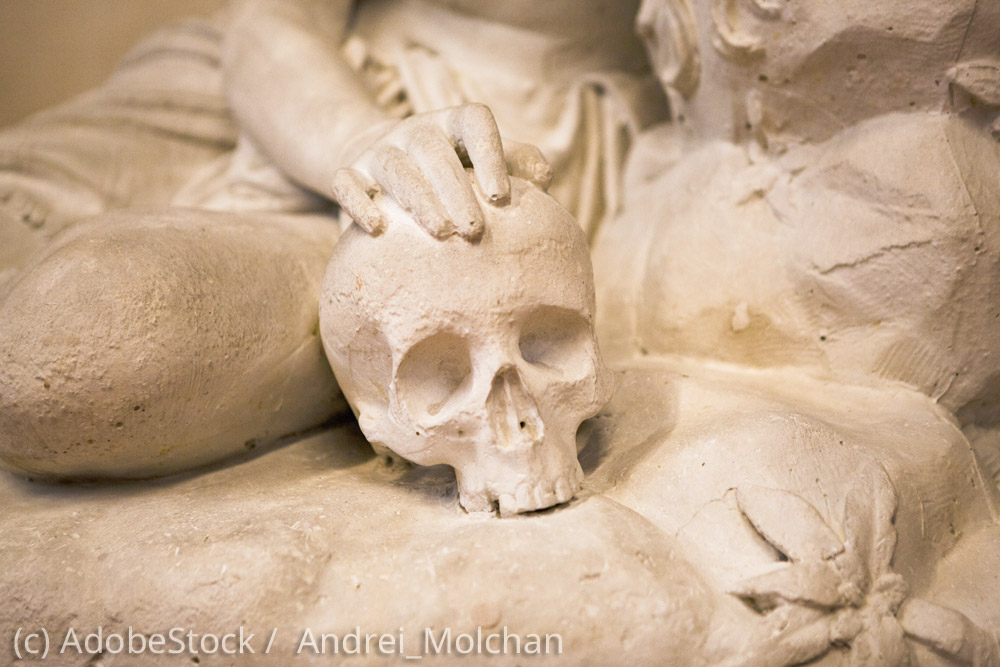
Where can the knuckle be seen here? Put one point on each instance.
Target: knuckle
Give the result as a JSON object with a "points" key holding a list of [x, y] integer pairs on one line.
{"points": [[391, 159], [476, 108], [431, 144], [341, 189], [534, 153], [443, 144], [477, 112], [342, 178], [384, 152], [409, 129]]}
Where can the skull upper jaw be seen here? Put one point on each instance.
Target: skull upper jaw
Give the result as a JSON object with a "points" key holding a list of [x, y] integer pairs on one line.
{"points": [[496, 473], [535, 479]]}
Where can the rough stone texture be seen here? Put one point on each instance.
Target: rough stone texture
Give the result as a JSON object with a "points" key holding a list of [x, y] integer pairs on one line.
{"points": [[476, 353], [800, 296], [91, 335], [837, 258], [635, 569], [296, 549]]}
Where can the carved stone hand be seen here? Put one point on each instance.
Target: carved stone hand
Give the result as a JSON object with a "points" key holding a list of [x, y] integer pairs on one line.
{"points": [[420, 163]]}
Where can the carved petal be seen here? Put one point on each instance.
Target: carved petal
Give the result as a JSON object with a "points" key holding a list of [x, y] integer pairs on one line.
{"points": [[979, 78], [810, 582], [881, 645], [789, 523], [789, 636], [869, 513], [949, 632], [798, 647]]}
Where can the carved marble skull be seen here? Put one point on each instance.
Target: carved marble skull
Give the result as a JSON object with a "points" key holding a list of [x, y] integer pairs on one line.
{"points": [[480, 355]]}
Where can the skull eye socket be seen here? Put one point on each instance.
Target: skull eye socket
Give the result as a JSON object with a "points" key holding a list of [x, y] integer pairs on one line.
{"points": [[555, 338], [432, 371]]}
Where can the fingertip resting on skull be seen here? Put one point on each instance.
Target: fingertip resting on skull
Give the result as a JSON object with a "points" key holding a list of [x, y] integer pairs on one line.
{"points": [[478, 354]]}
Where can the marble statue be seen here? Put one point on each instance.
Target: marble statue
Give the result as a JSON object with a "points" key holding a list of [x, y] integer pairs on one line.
{"points": [[347, 139], [794, 223], [818, 210]]}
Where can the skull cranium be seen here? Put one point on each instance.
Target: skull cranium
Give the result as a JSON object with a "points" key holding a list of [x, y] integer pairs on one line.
{"points": [[480, 355]]}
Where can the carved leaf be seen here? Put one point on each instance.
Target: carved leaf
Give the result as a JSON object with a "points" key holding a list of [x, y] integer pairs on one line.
{"points": [[880, 645], [979, 78], [789, 523], [797, 647], [789, 636], [949, 632], [869, 513], [807, 582]]}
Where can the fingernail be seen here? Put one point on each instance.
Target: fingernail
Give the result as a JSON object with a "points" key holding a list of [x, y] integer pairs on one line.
{"points": [[439, 228], [372, 224], [473, 230], [376, 225], [497, 191], [500, 195], [543, 175]]}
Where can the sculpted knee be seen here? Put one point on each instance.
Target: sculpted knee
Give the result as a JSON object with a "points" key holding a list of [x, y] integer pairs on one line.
{"points": [[143, 346]]}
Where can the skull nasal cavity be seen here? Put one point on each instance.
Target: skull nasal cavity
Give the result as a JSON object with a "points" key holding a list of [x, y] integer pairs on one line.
{"points": [[513, 414]]}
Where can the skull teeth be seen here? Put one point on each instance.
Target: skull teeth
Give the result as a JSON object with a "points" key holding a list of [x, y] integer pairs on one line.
{"points": [[541, 496], [507, 504], [523, 499], [544, 497], [563, 491]]}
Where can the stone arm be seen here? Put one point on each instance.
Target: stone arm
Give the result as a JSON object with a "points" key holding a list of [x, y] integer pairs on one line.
{"points": [[307, 111], [292, 93]]}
